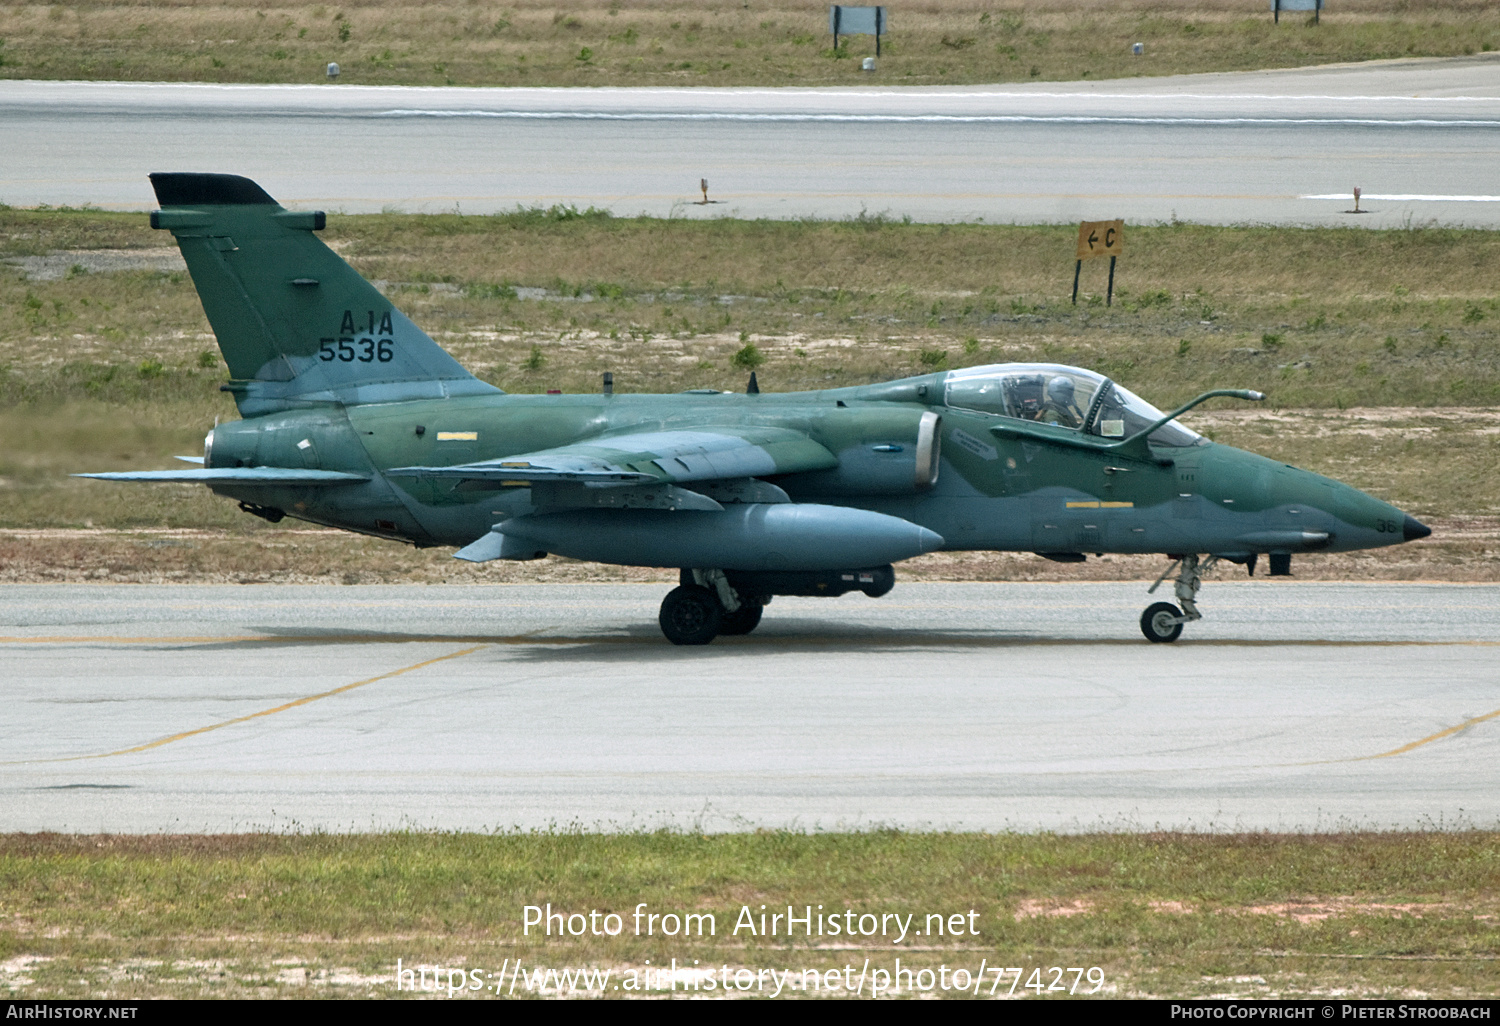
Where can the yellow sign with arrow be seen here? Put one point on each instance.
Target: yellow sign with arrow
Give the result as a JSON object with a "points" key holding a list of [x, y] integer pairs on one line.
{"points": [[1101, 238]]}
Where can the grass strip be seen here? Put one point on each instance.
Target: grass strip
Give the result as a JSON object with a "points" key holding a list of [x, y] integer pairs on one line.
{"points": [[1180, 914], [1316, 317], [606, 43]]}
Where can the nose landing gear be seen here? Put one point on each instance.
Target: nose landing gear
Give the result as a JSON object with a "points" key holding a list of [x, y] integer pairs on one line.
{"points": [[1162, 622]]}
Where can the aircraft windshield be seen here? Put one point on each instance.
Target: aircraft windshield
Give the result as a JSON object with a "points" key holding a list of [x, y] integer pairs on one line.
{"points": [[1122, 413], [1068, 397]]}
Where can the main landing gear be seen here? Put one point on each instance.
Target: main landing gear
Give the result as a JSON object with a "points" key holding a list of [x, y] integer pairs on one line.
{"points": [[714, 602], [1162, 621], [705, 606]]}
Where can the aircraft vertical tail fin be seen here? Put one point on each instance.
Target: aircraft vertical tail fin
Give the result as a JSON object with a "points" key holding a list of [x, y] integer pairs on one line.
{"points": [[296, 324]]}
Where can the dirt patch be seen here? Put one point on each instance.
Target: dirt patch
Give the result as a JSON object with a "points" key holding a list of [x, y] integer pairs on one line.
{"points": [[1462, 550], [66, 263], [1303, 910], [1370, 422], [1034, 909], [1316, 910]]}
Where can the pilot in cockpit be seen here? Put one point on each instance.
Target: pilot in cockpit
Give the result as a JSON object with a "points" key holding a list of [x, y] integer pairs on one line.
{"points": [[1060, 407]]}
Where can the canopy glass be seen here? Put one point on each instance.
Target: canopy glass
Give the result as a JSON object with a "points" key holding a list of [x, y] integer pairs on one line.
{"points": [[1068, 397]]}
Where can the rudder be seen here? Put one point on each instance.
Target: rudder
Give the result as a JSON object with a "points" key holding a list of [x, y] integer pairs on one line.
{"points": [[296, 324]]}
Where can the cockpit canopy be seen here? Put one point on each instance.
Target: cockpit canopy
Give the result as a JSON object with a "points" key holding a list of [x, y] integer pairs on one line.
{"points": [[1068, 397]]}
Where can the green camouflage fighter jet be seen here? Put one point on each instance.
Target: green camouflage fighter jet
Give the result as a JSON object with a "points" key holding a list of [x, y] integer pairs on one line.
{"points": [[354, 418]]}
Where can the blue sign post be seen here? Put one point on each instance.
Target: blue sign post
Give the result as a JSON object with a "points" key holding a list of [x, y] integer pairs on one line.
{"points": [[853, 21], [1277, 6]]}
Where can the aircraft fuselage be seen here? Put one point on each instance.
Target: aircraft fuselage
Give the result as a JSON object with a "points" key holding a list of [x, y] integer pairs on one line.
{"points": [[990, 492]]}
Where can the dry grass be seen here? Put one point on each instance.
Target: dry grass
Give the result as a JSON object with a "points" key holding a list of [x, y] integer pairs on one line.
{"points": [[1315, 317], [595, 43], [1361, 915]]}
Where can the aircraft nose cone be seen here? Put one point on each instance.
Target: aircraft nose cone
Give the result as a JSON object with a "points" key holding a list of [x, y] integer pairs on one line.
{"points": [[1412, 529]]}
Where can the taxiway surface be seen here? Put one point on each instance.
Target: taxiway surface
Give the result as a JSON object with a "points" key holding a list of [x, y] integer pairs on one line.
{"points": [[1421, 138], [977, 706]]}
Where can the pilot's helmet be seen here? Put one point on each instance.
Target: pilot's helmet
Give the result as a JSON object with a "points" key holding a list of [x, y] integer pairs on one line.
{"points": [[1060, 390]]}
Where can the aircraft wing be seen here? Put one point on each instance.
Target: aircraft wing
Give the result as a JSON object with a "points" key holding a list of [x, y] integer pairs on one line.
{"points": [[652, 457], [236, 475]]}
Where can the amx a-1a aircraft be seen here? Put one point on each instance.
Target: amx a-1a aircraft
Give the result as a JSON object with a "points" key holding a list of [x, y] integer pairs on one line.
{"points": [[354, 418]]}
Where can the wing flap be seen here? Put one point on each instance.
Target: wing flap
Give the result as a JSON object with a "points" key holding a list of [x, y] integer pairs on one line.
{"points": [[527, 471]]}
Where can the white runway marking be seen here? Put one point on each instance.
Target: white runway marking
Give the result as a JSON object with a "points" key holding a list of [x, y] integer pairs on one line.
{"points": [[1419, 134], [934, 119], [1405, 197]]}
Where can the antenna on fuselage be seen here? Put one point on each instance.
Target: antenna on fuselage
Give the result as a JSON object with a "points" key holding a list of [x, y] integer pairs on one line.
{"points": [[754, 387]]}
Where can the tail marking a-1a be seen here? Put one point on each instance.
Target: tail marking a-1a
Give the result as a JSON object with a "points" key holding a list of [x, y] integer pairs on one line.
{"points": [[295, 322]]}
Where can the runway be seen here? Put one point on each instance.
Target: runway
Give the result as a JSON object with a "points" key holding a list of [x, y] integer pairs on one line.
{"points": [[965, 706], [1421, 138]]}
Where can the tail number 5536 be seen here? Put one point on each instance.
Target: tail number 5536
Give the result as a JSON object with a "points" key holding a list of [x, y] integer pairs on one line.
{"points": [[365, 350]]}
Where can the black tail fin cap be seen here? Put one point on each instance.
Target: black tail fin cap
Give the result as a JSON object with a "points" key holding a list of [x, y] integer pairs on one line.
{"points": [[195, 189]]}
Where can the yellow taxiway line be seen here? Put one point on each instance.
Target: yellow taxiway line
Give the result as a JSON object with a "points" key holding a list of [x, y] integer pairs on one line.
{"points": [[534, 640], [255, 715], [1465, 725]]}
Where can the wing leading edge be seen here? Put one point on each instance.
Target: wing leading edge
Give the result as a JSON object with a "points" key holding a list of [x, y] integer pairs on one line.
{"points": [[237, 475]]}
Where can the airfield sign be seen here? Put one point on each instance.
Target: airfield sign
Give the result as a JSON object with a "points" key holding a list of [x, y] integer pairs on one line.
{"points": [[1097, 239], [1101, 238], [853, 21], [1277, 6]]}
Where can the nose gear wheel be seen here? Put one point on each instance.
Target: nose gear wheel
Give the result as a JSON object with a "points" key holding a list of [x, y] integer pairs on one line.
{"points": [[1162, 622]]}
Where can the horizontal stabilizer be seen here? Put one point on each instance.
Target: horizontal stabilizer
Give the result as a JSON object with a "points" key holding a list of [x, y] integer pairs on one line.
{"points": [[190, 459], [236, 475]]}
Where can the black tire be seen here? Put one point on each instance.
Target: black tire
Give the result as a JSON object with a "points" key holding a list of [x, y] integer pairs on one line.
{"points": [[744, 619], [690, 615], [1160, 632]]}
